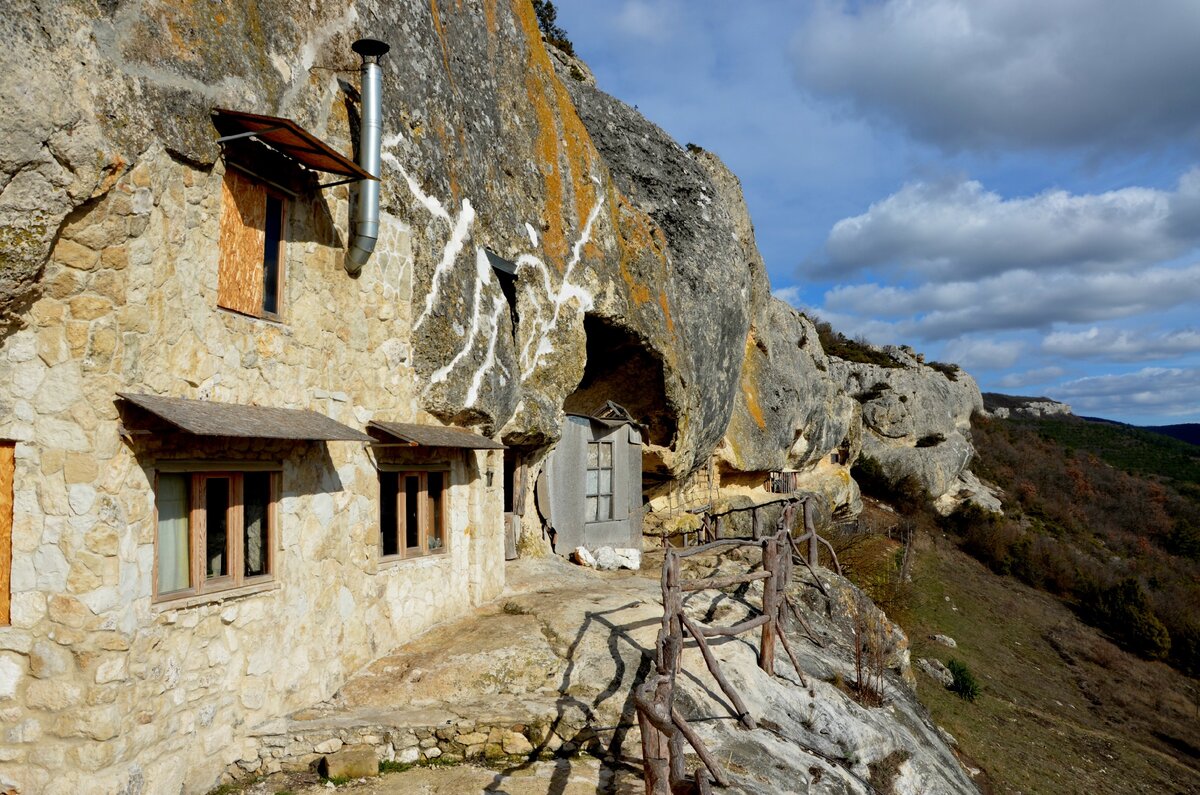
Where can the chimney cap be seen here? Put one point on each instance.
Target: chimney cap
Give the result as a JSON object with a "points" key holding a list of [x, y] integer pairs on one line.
{"points": [[370, 48]]}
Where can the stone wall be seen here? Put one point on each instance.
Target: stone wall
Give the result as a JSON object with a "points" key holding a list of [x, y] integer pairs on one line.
{"points": [[104, 688]]}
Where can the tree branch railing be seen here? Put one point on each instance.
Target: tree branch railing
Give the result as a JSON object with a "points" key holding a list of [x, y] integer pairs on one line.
{"points": [[664, 729]]}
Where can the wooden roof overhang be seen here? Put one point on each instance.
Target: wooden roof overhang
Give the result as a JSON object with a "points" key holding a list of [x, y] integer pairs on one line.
{"points": [[210, 418], [290, 139], [413, 435]]}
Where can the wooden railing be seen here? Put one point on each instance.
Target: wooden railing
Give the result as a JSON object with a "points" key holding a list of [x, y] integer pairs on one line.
{"points": [[664, 729]]}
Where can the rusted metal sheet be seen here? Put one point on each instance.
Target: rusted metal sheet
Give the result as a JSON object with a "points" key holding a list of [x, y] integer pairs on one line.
{"points": [[434, 436], [289, 138], [209, 418]]}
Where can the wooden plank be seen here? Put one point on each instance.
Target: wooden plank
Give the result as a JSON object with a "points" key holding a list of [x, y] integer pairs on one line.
{"points": [[243, 225], [7, 474]]}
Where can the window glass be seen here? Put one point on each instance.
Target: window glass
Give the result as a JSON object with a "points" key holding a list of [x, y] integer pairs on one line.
{"points": [[256, 502], [272, 235], [606, 454], [436, 490], [389, 529], [604, 509], [216, 524], [173, 502], [412, 513]]}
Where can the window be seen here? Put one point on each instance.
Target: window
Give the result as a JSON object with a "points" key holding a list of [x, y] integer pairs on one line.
{"points": [[599, 482], [7, 470], [250, 270], [216, 530], [412, 513]]}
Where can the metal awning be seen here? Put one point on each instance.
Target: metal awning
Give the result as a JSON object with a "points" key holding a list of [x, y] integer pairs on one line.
{"points": [[286, 137], [435, 436], [209, 418]]}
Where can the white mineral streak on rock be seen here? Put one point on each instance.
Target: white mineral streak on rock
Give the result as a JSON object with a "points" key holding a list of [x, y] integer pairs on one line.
{"points": [[566, 291], [462, 228], [533, 235], [483, 271], [310, 49], [489, 360]]}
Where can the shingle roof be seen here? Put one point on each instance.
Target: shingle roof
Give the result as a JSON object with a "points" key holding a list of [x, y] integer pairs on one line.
{"points": [[210, 418], [435, 436]]}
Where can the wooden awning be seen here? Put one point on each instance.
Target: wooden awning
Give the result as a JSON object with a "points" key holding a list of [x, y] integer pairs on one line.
{"points": [[434, 436], [288, 138], [209, 418]]}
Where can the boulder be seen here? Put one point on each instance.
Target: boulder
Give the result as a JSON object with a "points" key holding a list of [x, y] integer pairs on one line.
{"points": [[583, 557], [944, 640], [936, 670], [354, 761]]}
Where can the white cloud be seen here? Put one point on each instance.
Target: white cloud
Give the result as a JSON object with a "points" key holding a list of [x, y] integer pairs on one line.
{"points": [[960, 229], [1121, 345], [984, 73], [647, 19], [1019, 300], [983, 354], [1170, 391], [789, 295], [1039, 375]]}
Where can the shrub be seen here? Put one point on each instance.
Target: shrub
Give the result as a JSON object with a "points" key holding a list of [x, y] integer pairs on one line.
{"points": [[836, 344], [876, 391], [1123, 611], [906, 494], [949, 370], [547, 17], [964, 684], [931, 440]]}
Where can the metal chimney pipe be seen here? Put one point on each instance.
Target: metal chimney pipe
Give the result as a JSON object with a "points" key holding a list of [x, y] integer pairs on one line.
{"points": [[366, 213]]}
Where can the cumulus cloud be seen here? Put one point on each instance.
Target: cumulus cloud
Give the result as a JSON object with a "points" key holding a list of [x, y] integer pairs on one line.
{"points": [[647, 20], [983, 354], [790, 295], [1121, 345], [1039, 375], [1019, 300], [1167, 391], [960, 229], [1026, 73]]}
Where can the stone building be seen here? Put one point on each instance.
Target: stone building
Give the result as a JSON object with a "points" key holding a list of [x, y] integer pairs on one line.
{"points": [[232, 470]]}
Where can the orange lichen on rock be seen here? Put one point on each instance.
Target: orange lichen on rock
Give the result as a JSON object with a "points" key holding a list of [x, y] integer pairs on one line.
{"points": [[437, 25], [557, 123], [749, 389]]}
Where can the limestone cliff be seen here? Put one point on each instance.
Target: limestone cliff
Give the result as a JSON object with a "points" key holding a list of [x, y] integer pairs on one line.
{"points": [[916, 418]]}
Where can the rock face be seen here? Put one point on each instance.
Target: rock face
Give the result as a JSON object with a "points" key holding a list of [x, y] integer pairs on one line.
{"points": [[916, 419], [1003, 406]]}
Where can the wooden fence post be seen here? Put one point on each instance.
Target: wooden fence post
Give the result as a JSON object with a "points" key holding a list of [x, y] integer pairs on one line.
{"points": [[766, 648]]}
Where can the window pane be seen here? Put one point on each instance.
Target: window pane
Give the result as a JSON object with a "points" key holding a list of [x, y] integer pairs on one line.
{"points": [[590, 512], [412, 515], [216, 538], [389, 529], [605, 481], [273, 234], [173, 500], [437, 496], [604, 511], [256, 503], [606, 454], [593, 455], [592, 481]]}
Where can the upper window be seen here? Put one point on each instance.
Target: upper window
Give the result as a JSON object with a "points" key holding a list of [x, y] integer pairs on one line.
{"points": [[599, 482], [216, 530], [250, 272], [7, 471], [412, 513]]}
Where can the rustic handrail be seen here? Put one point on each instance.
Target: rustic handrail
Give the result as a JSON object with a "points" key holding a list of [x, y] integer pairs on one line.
{"points": [[664, 729]]}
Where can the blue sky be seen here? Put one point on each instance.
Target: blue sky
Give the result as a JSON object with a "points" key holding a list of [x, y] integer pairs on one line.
{"points": [[1013, 185]]}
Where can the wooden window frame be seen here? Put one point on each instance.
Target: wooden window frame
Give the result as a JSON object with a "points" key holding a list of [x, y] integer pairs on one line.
{"points": [[8, 471], [424, 514], [200, 584], [612, 486], [260, 311]]}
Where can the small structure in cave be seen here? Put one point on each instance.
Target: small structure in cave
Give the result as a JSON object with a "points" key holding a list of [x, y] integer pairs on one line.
{"points": [[590, 489]]}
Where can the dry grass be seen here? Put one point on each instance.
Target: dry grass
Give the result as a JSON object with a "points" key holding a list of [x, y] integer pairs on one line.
{"points": [[1061, 710]]}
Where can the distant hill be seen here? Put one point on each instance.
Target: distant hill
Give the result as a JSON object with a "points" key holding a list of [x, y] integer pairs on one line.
{"points": [[999, 405], [1186, 432]]}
